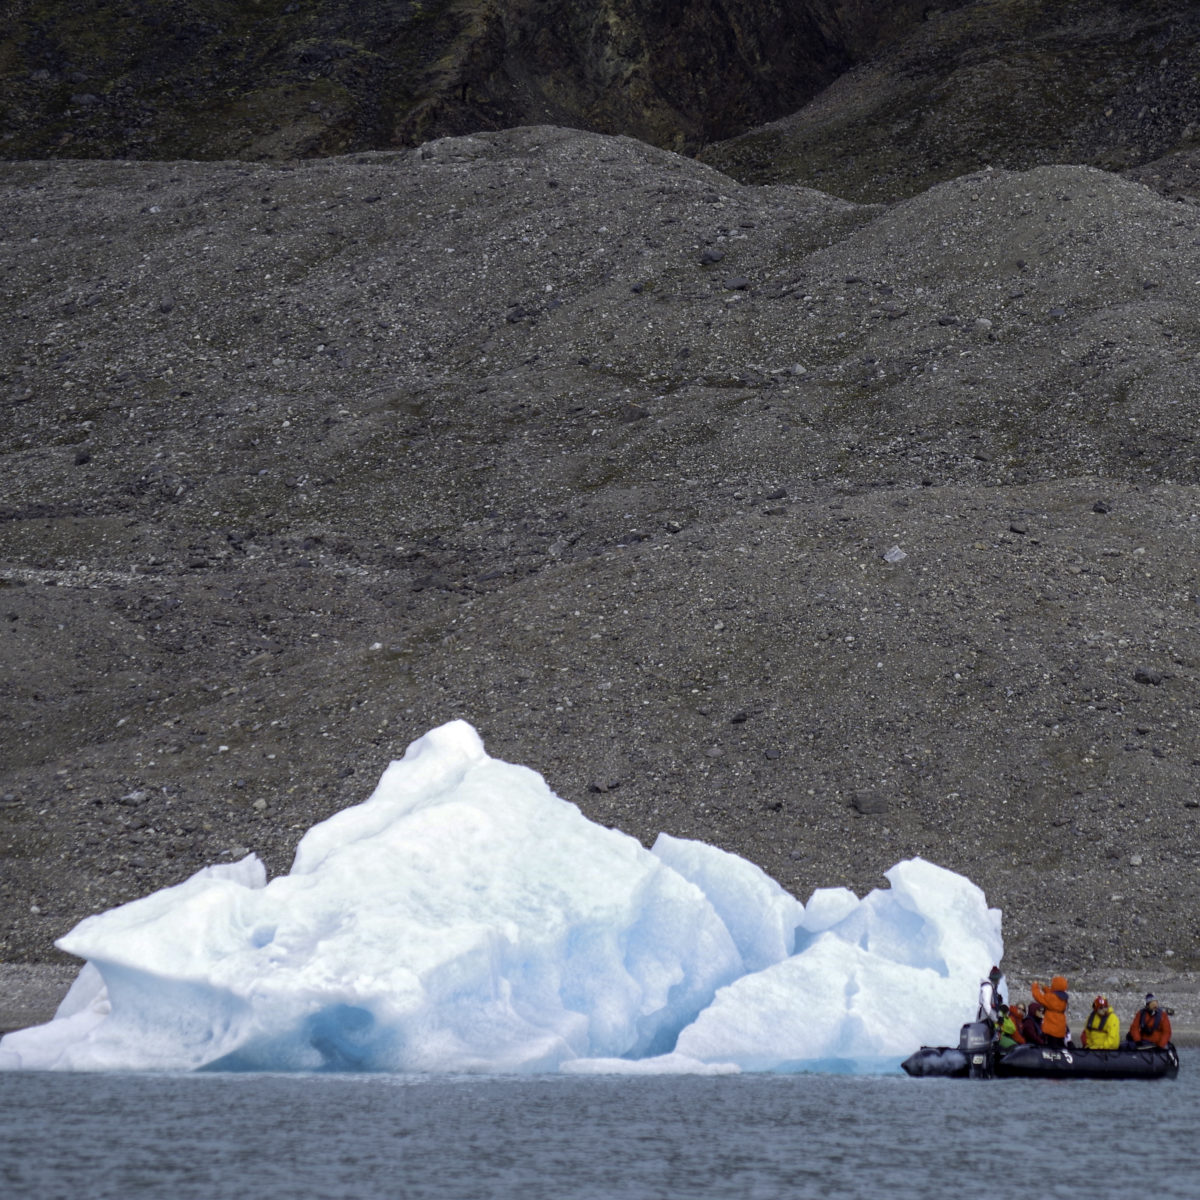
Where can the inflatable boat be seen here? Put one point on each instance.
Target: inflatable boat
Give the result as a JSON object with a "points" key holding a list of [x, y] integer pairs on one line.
{"points": [[1070, 1063], [977, 1057]]}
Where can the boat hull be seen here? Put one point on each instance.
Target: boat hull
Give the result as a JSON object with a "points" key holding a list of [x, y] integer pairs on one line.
{"points": [[1048, 1062], [1044, 1062], [944, 1061]]}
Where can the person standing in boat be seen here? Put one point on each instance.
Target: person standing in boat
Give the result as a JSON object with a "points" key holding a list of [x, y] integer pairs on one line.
{"points": [[1054, 1001], [1103, 1028], [1151, 1026], [990, 999]]}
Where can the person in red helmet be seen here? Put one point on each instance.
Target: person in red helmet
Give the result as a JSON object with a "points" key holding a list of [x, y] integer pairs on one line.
{"points": [[1054, 1000], [1151, 1026], [1103, 1028]]}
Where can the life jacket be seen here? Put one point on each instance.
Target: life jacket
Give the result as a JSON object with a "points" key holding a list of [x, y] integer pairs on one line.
{"points": [[1096, 1019]]}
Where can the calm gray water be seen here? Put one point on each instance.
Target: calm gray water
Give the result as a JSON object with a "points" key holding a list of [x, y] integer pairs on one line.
{"points": [[744, 1137]]}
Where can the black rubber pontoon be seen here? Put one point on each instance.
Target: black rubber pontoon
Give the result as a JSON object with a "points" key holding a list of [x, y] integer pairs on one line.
{"points": [[976, 1060], [1038, 1062], [946, 1061]]}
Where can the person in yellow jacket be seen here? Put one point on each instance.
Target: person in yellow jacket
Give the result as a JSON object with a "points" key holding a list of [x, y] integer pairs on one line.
{"points": [[1103, 1028]]}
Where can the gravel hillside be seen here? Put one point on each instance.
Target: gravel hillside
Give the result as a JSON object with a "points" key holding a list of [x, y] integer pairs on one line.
{"points": [[829, 533], [1003, 83]]}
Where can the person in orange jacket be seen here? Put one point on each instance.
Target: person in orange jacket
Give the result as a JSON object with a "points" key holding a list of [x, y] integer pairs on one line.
{"points": [[1151, 1026], [1054, 1001]]}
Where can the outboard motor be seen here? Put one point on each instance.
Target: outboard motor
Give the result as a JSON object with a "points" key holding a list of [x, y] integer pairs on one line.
{"points": [[976, 1042]]}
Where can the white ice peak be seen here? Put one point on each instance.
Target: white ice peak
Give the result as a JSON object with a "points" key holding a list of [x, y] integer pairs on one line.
{"points": [[464, 918]]}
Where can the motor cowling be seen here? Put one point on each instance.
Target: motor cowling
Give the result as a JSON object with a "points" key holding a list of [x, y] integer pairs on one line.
{"points": [[977, 1041]]}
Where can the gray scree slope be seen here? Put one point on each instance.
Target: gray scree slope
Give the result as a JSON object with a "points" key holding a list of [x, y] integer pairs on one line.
{"points": [[604, 452]]}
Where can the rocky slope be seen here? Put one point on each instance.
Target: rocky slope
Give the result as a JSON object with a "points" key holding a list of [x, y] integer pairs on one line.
{"points": [[1001, 83], [934, 91], [607, 453], [273, 79]]}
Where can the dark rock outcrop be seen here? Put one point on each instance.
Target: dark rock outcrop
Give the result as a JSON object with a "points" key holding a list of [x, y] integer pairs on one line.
{"points": [[268, 79], [1002, 83]]}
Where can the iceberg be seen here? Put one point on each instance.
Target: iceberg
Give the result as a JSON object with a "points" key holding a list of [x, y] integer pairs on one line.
{"points": [[465, 919], [898, 970]]}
